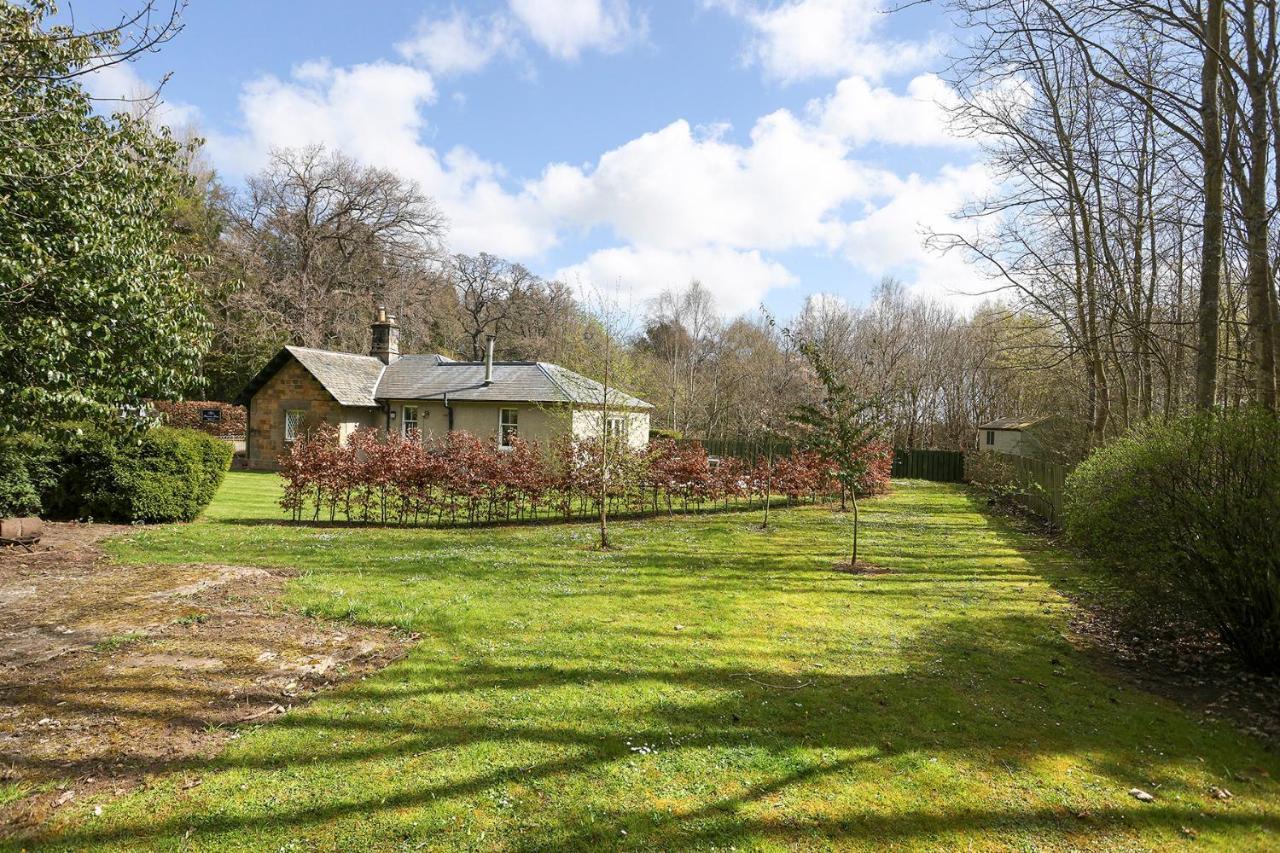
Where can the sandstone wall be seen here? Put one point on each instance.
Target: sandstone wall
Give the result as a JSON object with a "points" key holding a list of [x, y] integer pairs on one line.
{"points": [[294, 388]]}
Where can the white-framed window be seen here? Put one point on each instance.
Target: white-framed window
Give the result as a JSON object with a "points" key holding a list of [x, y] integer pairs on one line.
{"points": [[508, 426], [615, 428], [294, 421], [409, 421]]}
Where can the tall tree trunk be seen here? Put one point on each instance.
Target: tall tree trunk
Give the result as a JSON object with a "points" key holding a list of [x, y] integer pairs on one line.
{"points": [[1211, 235], [768, 485], [1273, 95], [1254, 189]]}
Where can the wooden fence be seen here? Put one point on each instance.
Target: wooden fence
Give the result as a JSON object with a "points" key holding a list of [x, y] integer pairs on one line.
{"points": [[1041, 486], [941, 466]]}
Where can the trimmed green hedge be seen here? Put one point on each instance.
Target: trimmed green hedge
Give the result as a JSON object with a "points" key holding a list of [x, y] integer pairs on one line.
{"points": [[158, 475], [1189, 511], [28, 470], [18, 497]]}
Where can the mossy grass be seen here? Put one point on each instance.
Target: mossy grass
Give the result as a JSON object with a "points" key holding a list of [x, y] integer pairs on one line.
{"points": [[702, 685]]}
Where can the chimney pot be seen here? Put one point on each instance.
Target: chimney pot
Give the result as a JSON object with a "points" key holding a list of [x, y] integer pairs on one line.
{"points": [[386, 337]]}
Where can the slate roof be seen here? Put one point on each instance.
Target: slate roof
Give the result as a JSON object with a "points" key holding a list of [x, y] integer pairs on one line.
{"points": [[363, 380], [1015, 424], [416, 377], [350, 378]]}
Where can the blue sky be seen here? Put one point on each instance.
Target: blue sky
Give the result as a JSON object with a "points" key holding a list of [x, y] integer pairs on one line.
{"points": [[771, 148]]}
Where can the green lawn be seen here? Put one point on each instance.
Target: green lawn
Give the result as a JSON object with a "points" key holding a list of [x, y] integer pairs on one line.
{"points": [[707, 685]]}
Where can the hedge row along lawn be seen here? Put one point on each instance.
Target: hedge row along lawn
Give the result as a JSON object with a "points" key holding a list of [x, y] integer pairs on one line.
{"points": [[706, 685]]}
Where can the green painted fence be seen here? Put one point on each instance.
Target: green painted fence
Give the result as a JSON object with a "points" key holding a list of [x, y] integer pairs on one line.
{"points": [[942, 466], [1041, 486]]}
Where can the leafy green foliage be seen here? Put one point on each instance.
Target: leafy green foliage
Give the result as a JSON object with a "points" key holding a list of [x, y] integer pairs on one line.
{"points": [[1189, 511], [98, 311], [842, 428], [158, 475], [28, 469], [18, 497]]}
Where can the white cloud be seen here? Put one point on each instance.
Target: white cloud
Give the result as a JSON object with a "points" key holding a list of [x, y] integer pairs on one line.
{"points": [[801, 39], [371, 111], [567, 28], [738, 280], [861, 113], [374, 112], [890, 238], [459, 44], [119, 88], [671, 189], [464, 43], [673, 204]]}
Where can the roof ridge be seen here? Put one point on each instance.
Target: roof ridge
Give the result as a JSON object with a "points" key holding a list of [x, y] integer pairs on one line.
{"points": [[543, 365], [455, 363], [292, 347]]}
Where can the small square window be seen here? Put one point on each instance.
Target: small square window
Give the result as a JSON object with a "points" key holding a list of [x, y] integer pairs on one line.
{"points": [[294, 422], [615, 428], [508, 426]]}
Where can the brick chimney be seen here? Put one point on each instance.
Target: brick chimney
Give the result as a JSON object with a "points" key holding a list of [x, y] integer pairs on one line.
{"points": [[386, 337]]}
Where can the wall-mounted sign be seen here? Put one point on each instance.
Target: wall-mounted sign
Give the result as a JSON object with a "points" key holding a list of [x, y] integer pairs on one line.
{"points": [[211, 416]]}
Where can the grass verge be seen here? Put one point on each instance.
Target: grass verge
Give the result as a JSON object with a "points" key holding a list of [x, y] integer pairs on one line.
{"points": [[704, 685]]}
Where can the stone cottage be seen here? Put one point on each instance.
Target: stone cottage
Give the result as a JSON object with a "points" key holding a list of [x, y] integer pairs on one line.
{"points": [[427, 395]]}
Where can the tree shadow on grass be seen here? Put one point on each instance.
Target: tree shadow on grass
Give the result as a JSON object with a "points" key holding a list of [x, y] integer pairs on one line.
{"points": [[1170, 651], [753, 745], [985, 696]]}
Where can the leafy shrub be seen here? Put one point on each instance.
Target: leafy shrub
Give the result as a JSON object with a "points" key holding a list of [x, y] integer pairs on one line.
{"points": [[1189, 510], [877, 469], [18, 497], [158, 475], [991, 472], [28, 470], [459, 477], [995, 474]]}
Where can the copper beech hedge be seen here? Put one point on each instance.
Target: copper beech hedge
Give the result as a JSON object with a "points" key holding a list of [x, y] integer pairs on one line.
{"points": [[462, 479]]}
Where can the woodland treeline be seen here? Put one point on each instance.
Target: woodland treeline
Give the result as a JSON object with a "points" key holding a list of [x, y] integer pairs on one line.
{"points": [[1133, 226], [303, 253], [1129, 239]]}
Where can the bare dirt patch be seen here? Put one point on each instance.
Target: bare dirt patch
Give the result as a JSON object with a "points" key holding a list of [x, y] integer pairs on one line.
{"points": [[109, 672], [1183, 662]]}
